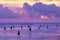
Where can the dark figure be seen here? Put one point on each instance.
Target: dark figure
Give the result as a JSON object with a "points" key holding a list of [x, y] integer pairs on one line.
{"points": [[47, 27], [11, 28], [30, 29], [40, 25], [18, 33], [28, 26], [4, 28], [21, 27]]}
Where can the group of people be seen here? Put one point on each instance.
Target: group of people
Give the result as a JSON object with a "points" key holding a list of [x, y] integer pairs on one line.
{"points": [[10, 28], [29, 28], [18, 33]]}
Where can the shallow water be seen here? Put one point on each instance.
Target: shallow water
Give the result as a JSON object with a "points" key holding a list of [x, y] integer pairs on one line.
{"points": [[52, 33]]}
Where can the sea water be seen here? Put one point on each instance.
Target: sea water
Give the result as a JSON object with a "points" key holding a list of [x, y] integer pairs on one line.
{"points": [[44, 33]]}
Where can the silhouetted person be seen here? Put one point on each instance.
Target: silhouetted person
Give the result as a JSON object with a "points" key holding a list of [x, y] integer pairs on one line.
{"points": [[4, 28], [40, 25], [18, 33], [28, 26], [11, 28], [47, 27], [21, 27], [30, 29]]}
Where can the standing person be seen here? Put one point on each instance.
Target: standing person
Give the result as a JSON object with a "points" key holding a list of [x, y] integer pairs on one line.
{"points": [[47, 27], [28, 26], [30, 29], [4, 28], [11, 28], [21, 27], [18, 33], [40, 25]]}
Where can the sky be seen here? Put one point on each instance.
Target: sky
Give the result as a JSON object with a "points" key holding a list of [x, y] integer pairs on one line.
{"points": [[31, 2], [52, 10]]}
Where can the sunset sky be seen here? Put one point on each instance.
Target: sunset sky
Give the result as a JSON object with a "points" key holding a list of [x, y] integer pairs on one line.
{"points": [[31, 2], [44, 12]]}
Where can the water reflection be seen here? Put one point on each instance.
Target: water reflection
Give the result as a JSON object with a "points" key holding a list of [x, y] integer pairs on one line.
{"points": [[30, 33]]}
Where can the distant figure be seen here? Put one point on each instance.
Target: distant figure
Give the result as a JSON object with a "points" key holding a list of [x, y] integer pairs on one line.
{"points": [[21, 27], [4, 28], [30, 29], [18, 33], [40, 25], [28, 26], [11, 28], [47, 27]]}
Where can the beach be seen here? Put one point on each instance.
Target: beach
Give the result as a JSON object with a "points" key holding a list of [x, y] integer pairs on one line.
{"points": [[52, 32]]}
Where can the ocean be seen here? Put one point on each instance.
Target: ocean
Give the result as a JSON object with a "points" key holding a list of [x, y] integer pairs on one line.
{"points": [[39, 31]]}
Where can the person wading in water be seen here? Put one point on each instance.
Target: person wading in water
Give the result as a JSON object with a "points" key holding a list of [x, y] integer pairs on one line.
{"points": [[18, 33], [4, 28], [11, 28]]}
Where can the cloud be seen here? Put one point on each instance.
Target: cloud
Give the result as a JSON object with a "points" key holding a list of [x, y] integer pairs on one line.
{"points": [[31, 2], [43, 9], [6, 13], [35, 11]]}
